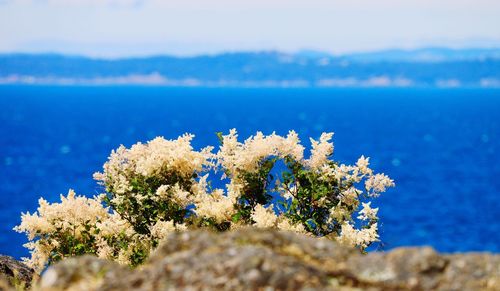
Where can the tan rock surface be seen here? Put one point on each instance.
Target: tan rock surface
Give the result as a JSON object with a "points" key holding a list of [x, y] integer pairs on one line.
{"points": [[271, 260], [14, 273]]}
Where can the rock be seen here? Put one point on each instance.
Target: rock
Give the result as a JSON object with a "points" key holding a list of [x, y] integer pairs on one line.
{"points": [[5, 284], [474, 271], [272, 260], [15, 273], [245, 259], [81, 273], [413, 268]]}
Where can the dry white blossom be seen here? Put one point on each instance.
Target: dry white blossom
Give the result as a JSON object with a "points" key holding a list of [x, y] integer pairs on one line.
{"points": [[156, 159], [348, 173], [286, 225], [236, 157], [124, 256], [321, 151], [338, 213], [176, 155], [71, 215], [368, 213], [264, 217], [377, 184], [215, 205], [358, 237], [40, 254], [162, 193], [350, 196], [174, 193], [363, 164], [162, 228], [104, 251], [113, 225], [290, 146], [286, 191]]}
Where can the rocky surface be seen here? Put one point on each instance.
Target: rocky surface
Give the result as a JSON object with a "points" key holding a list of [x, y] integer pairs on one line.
{"points": [[14, 273], [82, 273], [271, 260], [4, 284]]}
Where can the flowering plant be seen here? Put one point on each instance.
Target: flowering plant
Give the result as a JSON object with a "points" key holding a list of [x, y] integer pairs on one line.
{"points": [[162, 186]]}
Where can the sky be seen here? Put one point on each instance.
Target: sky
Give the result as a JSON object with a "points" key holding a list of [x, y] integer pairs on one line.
{"points": [[119, 28]]}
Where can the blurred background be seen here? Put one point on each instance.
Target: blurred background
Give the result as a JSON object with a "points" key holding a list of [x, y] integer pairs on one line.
{"points": [[415, 85]]}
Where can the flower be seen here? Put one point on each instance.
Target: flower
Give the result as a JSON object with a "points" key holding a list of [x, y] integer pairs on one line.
{"points": [[290, 146], [162, 228], [174, 193], [74, 215], [113, 225], [239, 157], [215, 205], [368, 213], [72, 212], [321, 151], [350, 196], [264, 217], [363, 164], [377, 184], [159, 159], [286, 225], [358, 237]]}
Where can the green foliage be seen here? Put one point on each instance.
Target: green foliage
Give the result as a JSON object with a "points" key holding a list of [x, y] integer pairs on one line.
{"points": [[313, 197], [141, 209], [255, 190]]}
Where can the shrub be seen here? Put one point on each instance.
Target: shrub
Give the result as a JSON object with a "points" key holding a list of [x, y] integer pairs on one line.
{"points": [[162, 186], [62, 229]]}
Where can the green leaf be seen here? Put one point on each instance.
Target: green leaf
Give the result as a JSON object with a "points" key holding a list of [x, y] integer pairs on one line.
{"points": [[236, 217], [220, 137]]}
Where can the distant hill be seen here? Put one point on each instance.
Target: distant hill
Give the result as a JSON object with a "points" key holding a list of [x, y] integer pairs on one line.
{"points": [[430, 55], [428, 67]]}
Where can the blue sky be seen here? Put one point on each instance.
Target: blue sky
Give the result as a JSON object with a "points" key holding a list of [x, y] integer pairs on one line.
{"points": [[116, 28]]}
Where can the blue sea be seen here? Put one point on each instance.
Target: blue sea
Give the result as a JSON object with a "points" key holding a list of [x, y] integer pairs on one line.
{"points": [[441, 146]]}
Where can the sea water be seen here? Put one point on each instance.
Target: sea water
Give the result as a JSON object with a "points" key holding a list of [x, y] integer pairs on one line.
{"points": [[441, 146]]}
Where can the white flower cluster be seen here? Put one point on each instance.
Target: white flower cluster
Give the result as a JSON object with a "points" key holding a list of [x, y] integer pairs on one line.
{"points": [[163, 186], [267, 218], [72, 216], [215, 205], [156, 159], [368, 213], [152, 185], [162, 228], [235, 157], [358, 237], [377, 184], [321, 151]]}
